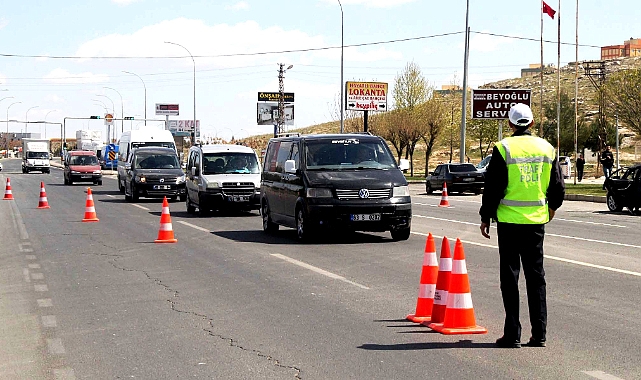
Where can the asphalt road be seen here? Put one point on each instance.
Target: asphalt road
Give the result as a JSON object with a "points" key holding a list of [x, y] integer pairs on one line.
{"points": [[102, 301]]}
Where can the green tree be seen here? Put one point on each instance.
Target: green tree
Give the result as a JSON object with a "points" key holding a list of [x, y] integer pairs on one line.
{"points": [[485, 132], [566, 130], [623, 96]]}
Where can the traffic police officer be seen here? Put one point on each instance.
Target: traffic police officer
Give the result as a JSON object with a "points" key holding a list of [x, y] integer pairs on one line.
{"points": [[523, 189]]}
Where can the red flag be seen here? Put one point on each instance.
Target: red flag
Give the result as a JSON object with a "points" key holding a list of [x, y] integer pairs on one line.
{"points": [[547, 9]]}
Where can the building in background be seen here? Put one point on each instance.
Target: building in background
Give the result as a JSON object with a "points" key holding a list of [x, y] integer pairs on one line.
{"points": [[630, 48]]}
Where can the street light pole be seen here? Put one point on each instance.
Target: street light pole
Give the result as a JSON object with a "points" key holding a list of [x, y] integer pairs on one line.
{"points": [[46, 121], [342, 85], [194, 61], [26, 116], [113, 111], [465, 66], [8, 125], [122, 110], [143, 84]]}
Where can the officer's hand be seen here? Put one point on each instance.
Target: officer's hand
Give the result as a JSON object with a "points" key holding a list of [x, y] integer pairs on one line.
{"points": [[485, 230], [551, 212]]}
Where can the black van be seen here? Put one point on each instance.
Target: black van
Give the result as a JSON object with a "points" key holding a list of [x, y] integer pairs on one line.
{"points": [[349, 181]]}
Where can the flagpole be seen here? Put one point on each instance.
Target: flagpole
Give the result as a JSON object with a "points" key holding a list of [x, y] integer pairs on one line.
{"points": [[576, 92], [541, 109], [558, 86]]}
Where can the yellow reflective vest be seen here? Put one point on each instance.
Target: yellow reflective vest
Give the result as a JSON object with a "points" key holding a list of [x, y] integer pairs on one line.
{"points": [[529, 164]]}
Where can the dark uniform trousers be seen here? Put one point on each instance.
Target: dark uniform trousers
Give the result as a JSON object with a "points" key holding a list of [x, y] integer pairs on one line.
{"points": [[522, 243]]}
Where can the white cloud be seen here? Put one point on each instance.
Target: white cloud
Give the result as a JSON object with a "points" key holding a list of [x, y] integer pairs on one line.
{"points": [[53, 98], [63, 76], [3, 22], [124, 2], [372, 3], [485, 43], [239, 6]]}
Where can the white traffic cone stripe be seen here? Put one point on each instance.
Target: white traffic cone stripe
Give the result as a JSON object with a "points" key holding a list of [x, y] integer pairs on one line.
{"points": [[429, 259], [426, 290], [43, 199], [166, 227], [459, 267], [445, 265], [165, 210], [8, 191], [90, 209], [440, 297], [459, 301]]}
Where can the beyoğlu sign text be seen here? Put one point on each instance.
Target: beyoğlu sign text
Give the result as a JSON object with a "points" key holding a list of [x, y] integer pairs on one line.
{"points": [[496, 103]]}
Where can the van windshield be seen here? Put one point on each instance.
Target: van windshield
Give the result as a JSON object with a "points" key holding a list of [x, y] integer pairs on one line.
{"points": [[38, 155], [230, 163], [351, 153], [153, 143], [148, 160]]}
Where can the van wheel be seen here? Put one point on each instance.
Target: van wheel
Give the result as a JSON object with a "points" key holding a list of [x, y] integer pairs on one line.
{"points": [[120, 186], [400, 233], [191, 209], [268, 226], [303, 230]]}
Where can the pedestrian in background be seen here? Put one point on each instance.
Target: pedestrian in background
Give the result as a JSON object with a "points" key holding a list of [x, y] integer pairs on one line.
{"points": [[523, 189], [580, 163], [607, 160]]}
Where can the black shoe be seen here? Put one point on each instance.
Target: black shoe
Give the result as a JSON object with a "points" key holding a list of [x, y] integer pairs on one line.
{"points": [[535, 343], [504, 342]]}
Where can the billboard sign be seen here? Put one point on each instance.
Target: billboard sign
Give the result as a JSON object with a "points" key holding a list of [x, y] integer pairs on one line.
{"points": [[496, 103], [275, 96], [366, 96], [184, 128], [167, 109], [267, 113]]}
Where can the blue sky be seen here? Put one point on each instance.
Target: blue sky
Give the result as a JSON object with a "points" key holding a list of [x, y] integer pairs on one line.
{"points": [[216, 31]]}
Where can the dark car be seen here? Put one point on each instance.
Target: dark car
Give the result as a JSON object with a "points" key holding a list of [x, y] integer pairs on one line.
{"points": [[346, 181], [154, 172], [82, 166], [459, 178], [624, 189]]}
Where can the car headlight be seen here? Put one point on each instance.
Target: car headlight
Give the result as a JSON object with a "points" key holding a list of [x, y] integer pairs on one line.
{"points": [[74, 172], [319, 193], [401, 191], [212, 185], [180, 179], [97, 172]]}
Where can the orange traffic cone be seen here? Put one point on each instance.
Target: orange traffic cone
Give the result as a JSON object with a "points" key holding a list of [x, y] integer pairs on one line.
{"points": [[427, 284], [166, 232], [90, 210], [8, 196], [459, 313], [444, 201], [442, 283], [43, 202]]}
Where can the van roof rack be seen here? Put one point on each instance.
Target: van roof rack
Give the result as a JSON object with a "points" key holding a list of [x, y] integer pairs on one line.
{"points": [[288, 134]]}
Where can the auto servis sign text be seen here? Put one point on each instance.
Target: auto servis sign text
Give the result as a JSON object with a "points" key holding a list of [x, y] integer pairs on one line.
{"points": [[495, 104]]}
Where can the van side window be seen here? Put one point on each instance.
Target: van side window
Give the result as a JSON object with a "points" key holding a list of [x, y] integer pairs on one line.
{"points": [[295, 156], [197, 161], [283, 155], [270, 158], [190, 161]]}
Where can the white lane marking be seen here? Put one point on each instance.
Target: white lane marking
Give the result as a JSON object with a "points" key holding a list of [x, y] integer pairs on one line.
{"points": [[44, 302], [37, 276], [41, 288], [111, 196], [55, 346], [64, 374], [431, 205], [22, 229], [49, 321], [194, 226], [141, 207], [318, 270], [30, 257], [547, 234], [34, 266], [25, 274], [570, 261], [601, 375], [456, 199], [595, 223]]}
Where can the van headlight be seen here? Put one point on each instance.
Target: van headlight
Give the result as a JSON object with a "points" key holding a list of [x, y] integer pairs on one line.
{"points": [[401, 191], [319, 193], [212, 185], [141, 179], [180, 179]]}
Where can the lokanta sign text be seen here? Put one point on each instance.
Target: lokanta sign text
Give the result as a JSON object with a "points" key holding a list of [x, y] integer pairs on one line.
{"points": [[366, 96]]}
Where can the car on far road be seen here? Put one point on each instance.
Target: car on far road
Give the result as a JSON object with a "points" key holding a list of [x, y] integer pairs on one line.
{"points": [[82, 166], [624, 189], [459, 178]]}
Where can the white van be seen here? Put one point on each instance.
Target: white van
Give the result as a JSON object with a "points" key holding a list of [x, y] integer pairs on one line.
{"points": [[222, 176], [130, 140]]}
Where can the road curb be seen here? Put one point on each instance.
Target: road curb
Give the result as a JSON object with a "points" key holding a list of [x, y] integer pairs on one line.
{"points": [[585, 198]]}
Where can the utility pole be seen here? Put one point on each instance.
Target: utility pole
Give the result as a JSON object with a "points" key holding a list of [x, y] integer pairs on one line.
{"points": [[281, 97]]}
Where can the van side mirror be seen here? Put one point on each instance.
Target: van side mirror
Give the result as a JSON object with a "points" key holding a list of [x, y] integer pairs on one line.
{"points": [[290, 167], [127, 166], [404, 164]]}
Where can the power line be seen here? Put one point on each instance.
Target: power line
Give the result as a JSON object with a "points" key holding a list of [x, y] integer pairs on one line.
{"points": [[532, 39]]}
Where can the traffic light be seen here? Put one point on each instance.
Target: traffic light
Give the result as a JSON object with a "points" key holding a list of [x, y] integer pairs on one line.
{"points": [[128, 117], [94, 117]]}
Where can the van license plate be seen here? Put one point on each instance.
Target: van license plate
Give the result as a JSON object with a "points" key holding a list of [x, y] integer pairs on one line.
{"points": [[469, 179], [239, 198], [162, 187], [365, 217], [85, 176]]}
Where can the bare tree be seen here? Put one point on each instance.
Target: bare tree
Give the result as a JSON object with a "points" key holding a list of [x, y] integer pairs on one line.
{"points": [[433, 121]]}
